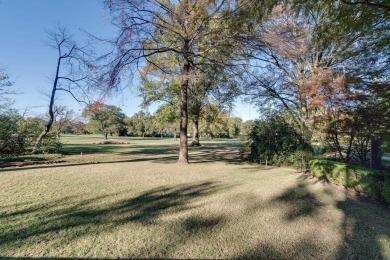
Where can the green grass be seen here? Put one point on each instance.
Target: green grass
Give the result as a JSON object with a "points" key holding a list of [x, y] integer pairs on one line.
{"points": [[138, 203]]}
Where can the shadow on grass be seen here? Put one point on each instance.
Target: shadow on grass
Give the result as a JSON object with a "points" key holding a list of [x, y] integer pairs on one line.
{"points": [[300, 202], [71, 149], [270, 251], [363, 225], [166, 154], [165, 159], [203, 224], [69, 218]]}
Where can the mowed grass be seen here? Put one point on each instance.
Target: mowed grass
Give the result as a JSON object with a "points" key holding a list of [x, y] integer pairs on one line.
{"points": [[138, 203]]}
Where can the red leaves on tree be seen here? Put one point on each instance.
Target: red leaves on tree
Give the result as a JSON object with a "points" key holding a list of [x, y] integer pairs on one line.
{"points": [[324, 86], [95, 107]]}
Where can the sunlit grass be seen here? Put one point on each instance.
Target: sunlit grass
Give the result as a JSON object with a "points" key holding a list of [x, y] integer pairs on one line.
{"points": [[147, 206]]}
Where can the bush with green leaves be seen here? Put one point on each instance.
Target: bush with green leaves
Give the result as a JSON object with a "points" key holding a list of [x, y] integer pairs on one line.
{"points": [[17, 135], [273, 139], [373, 183], [11, 142], [302, 155], [50, 144]]}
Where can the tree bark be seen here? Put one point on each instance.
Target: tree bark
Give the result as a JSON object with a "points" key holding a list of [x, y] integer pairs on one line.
{"points": [[195, 132], [105, 136], [376, 155], [349, 148], [183, 153]]}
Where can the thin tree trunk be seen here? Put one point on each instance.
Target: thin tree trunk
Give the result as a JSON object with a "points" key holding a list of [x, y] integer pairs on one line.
{"points": [[58, 131], [349, 149], [338, 146], [41, 136], [376, 154], [51, 112], [105, 136], [195, 132], [183, 153]]}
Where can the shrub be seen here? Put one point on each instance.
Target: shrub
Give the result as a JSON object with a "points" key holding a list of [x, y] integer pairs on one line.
{"points": [[50, 145], [13, 140], [368, 181], [8, 134], [272, 139], [17, 135], [302, 155]]}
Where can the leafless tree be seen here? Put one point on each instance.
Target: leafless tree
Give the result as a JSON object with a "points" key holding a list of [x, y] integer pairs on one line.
{"points": [[63, 117], [72, 71]]}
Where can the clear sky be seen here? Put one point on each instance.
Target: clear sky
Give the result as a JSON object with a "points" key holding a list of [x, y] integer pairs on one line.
{"points": [[30, 63]]}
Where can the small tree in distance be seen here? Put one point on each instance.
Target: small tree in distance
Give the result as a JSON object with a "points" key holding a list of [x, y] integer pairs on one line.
{"points": [[104, 119]]}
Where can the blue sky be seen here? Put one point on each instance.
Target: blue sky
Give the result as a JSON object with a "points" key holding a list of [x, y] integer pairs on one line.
{"points": [[30, 63]]}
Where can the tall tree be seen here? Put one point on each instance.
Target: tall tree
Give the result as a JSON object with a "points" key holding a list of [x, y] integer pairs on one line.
{"points": [[197, 32], [293, 47], [140, 123], [212, 85]]}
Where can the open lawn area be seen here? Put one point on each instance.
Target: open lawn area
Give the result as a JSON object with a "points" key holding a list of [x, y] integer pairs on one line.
{"points": [[134, 201]]}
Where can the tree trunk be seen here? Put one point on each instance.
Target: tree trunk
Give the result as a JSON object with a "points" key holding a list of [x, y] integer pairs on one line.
{"points": [[58, 133], [105, 136], [183, 153], [195, 133], [51, 112], [41, 136], [349, 148], [376, 154]]}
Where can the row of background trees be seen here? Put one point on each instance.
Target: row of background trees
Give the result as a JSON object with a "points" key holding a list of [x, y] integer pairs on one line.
{"points": [[18, 133]]}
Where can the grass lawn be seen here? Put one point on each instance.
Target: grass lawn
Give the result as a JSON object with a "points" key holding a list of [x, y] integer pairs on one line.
{"points": [[134, 201]]}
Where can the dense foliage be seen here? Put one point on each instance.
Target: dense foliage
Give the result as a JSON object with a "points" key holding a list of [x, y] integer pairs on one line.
{"points": [[17, 135], [274, 140], [104, 119], [373, 183]]}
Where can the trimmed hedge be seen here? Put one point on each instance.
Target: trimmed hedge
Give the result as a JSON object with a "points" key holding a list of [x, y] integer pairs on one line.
{"points": [[373, 183]]}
